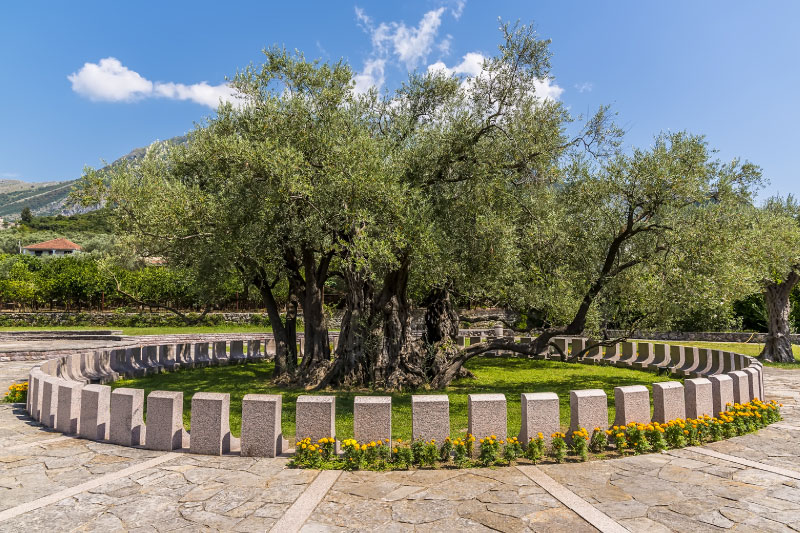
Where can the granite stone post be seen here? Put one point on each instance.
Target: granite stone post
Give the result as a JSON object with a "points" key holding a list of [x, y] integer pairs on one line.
{"points": [[261, 426], [127, 427], [722, 390], [372, 418], [752, 382], [612, 355], [690, 360], [166, 357], [183, 354], [741, 386], [676, 360], [669, 402], [237, 354], [660, 357], [703, 367], [211, 431], [577, 345], [133, 361], [588, 409], [727, 362], [95, 412], [540, 414], [254, 350], [220, 353], [315, 417], [35, 393], [632, 404], [628, 354], [430, 417], [699, 397], [488, 415], [201, 358], [646, 355], [69, 407], [165, 421], [50, 400]]}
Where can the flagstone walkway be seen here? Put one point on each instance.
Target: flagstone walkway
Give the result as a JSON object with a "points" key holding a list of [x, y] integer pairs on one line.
{"points": [[57, 483]]}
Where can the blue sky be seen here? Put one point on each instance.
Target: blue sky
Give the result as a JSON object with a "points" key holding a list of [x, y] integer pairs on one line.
{"points": [[88, 81]]}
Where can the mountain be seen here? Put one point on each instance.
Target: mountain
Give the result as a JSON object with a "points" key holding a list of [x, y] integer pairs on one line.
{"points": [[49, 198]]}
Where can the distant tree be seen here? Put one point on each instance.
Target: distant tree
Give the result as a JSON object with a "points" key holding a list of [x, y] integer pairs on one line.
{"points": [[26, 216], [779, 229]]}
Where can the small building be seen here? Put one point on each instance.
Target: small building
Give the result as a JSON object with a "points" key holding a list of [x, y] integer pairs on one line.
{"points": [[53, 247]]}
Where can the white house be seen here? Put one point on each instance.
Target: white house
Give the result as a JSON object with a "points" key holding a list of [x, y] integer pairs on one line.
{"points": [[53, 247]]}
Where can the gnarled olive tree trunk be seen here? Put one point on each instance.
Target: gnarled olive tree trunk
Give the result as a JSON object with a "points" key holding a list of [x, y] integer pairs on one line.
{"points": [[778, 344]]}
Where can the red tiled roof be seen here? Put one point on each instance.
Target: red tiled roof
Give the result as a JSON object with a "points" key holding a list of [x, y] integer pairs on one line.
{"points": [[55, 244]]}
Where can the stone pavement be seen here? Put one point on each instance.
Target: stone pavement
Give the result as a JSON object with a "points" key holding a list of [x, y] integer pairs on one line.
{"points": [[51, 482]]}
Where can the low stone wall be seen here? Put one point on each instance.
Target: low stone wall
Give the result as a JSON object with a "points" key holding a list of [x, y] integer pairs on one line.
{"points": [[707, 336], [69, 393]]}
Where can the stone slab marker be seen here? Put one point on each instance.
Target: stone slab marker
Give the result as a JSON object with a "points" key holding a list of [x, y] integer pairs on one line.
{"points": [[632, 404], [628, 354], [699, 397], [201, 357], [254, 350], [540, 413], [703, 363], [372, 418], [577, 345], [660, 356], [69, 407], [166, 357], [211, 430], [315, 417], [219, 354], [261, 426], [488, 415], [588, 409], [430, 417], [722, 391], [669, 402], [237, 354], [741, 386], [675, 358], [752, 382], [165, 421], [35, 393], [50, 401], [612, 355], [127, 426], [716, 362], [95, 412], [646, 355]]}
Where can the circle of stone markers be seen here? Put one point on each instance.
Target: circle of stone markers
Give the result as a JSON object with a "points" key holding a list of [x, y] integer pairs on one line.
{"points": [[69, 393]]}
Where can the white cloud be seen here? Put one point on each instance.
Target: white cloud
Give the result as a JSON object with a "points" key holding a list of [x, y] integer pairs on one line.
{"points": [[371, 76], [585, 87], [458, 9], [471, 66], [547, 89], [109, 80], [409, 45]]}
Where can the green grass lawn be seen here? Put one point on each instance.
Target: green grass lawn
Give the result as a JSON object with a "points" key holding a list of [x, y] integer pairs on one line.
{"points": [[510, 376], [746, 348]]}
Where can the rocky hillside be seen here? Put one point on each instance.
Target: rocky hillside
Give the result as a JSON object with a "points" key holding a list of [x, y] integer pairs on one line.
{"points": [[49, 198]]}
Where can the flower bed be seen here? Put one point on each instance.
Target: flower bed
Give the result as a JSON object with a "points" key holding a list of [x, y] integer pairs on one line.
{"points": [[17, 393], [633, 439]]}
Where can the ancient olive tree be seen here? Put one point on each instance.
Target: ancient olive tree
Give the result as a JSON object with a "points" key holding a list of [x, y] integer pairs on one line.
{"points": [[450, 189]]}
